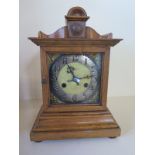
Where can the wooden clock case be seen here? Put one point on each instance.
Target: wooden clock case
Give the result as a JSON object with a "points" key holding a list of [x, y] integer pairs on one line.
{"points": [[74, 120]]}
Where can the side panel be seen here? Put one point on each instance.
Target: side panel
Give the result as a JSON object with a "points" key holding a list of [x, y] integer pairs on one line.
{"points": [[44, 78], [105, 74]]}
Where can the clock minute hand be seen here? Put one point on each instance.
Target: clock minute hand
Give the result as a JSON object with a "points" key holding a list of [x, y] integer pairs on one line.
{"points": [[76, 80], [86, 77]]}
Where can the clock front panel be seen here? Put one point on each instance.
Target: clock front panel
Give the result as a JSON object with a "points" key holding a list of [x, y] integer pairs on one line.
{"points": [[75, 78]]}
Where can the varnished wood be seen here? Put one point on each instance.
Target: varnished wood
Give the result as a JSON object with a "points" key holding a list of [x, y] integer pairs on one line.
{"points": [[74, 120], [60, 42], [40, 136], [74, 107], [76, 22], [44, 76], [60, 126], [105, 72], [77, 12], [63, 33]]}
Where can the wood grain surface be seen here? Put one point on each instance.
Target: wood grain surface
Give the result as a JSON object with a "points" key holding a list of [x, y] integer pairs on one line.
{"points": [[74, 120]]}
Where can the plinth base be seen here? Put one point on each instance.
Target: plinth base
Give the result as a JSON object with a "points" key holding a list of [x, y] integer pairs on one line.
{"points": [[74, 125]]}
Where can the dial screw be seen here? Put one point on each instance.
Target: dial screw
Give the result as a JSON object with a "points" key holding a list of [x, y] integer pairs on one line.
{"points": [[85, 84], [64, 85]]}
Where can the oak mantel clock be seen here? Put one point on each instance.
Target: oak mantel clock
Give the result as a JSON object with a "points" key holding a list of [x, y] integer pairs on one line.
{"points": [[74, 70]]}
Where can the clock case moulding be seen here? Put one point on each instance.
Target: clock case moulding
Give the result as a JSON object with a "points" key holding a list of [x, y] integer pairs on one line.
{"points": [[74, 121]]}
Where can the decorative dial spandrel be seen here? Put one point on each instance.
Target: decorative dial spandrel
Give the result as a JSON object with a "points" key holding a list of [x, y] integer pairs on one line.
{"points": [[75, 79]]}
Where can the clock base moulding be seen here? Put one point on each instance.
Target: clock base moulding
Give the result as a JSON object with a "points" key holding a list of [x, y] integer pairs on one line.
{"points": [[58, 126]]}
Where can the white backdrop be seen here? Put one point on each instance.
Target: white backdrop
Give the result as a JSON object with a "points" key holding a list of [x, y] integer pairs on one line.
{"points": [[105, 16]]}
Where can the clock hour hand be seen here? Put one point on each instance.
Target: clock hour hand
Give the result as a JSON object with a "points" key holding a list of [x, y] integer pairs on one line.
{"points": [[70, 70], [74, 78]]}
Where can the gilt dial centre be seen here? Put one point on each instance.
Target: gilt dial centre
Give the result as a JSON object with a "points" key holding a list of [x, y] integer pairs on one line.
{"points": [[72, 78]]}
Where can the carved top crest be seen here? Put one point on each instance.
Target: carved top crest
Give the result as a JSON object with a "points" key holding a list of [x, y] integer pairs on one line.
{"points": [[76, 28]]}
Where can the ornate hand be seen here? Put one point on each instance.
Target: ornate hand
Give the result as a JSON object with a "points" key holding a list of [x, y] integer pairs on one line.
{"points": [[77, 79], [74, 78], [86, 77], [70, 70]]}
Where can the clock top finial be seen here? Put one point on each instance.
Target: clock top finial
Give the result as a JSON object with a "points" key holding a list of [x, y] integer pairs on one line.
{"points": [[76, 22], [77, 14], [77, 11]]}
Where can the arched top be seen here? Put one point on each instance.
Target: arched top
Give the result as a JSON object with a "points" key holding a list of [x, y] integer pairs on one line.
{"points": [[77, 11], [76, 32], [63, 33]]}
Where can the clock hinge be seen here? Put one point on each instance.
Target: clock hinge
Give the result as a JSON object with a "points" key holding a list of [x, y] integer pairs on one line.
{"points": [[44, 81]]}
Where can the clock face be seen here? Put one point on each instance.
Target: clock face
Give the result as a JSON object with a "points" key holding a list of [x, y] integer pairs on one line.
{"points": [[74, 78]]}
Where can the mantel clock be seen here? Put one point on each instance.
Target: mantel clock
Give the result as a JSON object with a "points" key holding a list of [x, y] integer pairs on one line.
{"points": [[74, 70]]}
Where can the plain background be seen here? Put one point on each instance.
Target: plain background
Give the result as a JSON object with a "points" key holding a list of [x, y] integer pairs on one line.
{"points": [[105, 17]]}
